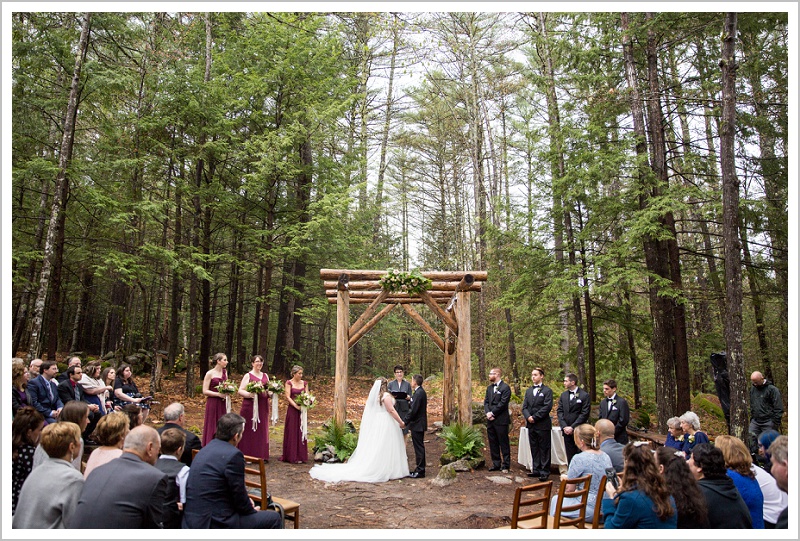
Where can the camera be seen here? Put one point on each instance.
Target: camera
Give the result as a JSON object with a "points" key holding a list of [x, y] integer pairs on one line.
{"points": [[611, 475]]}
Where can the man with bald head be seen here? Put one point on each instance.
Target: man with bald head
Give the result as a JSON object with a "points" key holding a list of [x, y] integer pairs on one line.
{"points": [[127, 492], [766, 408], [605, 438]]}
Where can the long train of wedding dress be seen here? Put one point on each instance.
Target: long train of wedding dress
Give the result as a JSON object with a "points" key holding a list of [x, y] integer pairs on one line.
{"points": [[380, 454]]}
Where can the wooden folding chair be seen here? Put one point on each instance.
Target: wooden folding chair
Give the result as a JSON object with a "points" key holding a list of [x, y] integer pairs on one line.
{"points": [[598, 504], [540, 502], [582, 494]]}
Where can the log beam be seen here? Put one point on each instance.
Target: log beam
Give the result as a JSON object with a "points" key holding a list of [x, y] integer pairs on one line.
{"points": [[367, 313], [342, 349], [393, 300], [374, 285], [366, 328], [333, 274], [413, 314], [444, 316], [374, 294]]}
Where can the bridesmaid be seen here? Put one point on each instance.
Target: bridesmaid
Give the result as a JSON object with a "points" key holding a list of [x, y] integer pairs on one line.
{"points": [[215, 403], [294, 448], [255, 441]]}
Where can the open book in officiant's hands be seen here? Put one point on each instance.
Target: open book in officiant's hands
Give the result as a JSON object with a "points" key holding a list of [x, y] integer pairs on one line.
{"points": [[400, 395]]}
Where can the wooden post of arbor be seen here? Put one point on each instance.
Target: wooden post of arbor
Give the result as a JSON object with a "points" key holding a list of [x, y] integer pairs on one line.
{"points": [[449, 410], [342, 349], [464, 358]]}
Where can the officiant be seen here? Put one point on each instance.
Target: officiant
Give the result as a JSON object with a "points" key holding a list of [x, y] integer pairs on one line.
{"points": [[401, 390]]}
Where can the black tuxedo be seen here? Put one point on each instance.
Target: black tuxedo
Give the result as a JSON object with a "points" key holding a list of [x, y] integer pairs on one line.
{"points": [[573, 410], [416, 421], [67, 393], [45, 402], [538, 405], [619, 414], [216, 496], [496, 402], [126, 493], [402, 406], [192, 441]]}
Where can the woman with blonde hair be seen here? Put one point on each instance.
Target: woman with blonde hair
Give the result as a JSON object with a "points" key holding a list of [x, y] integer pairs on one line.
{"points": [[295, 446], [94, 389], [740, 469], [19, 384], [216, 404], [50, 494], [380, 453], [590, 460], [110, 433]]}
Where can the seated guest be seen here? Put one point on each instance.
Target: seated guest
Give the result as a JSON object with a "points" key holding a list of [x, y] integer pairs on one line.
{"points": [[110, 434], [690, 502], [107, 377], [63, 376], [50, 495], [172, 443], [780, 471], [740, 470], [675, 434], [765, 439], [589, 460], [126, 392], [94, 390], [134, 413], [26, 430], [43, 392], [19, 387], [70, 389], [610, 446], [726, 508], [128, 492], [690, 424], [216, 496], [34, 369], [643, 500], [174, 418], [73, 412]]}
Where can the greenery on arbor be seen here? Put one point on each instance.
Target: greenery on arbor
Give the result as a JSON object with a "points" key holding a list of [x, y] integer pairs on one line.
{"points": [[180, 178]]}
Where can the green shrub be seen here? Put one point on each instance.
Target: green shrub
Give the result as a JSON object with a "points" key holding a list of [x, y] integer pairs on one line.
{"points": [[462, 441], [700, 402], [342, 437], [644, 420], [516, 399], [198, 389]]}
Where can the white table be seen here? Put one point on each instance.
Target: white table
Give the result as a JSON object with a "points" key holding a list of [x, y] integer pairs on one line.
{"points": [[558, 454]]}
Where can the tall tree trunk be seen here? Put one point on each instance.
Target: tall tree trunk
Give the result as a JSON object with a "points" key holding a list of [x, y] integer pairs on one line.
{"points": [[85, 280], [758, 309], [387, 121], [730, 220], [60, 194]]}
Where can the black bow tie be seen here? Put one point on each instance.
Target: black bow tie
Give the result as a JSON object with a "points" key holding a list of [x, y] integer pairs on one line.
{"points": [[537, 386]]}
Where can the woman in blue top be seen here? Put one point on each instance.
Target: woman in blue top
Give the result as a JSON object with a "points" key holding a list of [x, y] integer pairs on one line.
{"points": [[643, 500], [675, 437], [690, 423], [739, 465]]}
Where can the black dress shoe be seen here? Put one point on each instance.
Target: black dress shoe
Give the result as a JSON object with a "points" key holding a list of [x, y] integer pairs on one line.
{"points": [[544, 478], [494, 468], [533, 474], [417, 475]]}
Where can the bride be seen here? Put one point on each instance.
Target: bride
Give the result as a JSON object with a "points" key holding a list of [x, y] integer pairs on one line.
{"points": [[380, 454]]}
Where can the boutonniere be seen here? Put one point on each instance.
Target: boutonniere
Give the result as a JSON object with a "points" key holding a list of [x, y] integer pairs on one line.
{"points": [[691, 438], [614, 402], [679, 438], [578, 401]]}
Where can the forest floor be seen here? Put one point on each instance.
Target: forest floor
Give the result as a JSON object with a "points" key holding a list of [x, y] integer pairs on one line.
{"points": [[478, 499]]}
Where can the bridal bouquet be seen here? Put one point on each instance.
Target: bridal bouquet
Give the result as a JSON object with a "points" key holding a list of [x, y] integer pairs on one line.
{"points": [[306, 400], [275, 386], [255, 387]]}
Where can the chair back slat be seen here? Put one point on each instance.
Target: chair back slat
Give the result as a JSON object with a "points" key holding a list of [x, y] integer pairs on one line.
{"points": [[582, 494], [536, 499]]}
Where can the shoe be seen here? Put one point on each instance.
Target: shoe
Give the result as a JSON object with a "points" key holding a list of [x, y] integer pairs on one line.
{"points": [[544, 478], [533, 474], [494, 468], [417, 475]]}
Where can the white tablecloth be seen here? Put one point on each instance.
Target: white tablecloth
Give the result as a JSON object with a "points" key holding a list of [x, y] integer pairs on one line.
{"points": [[558, 454]]}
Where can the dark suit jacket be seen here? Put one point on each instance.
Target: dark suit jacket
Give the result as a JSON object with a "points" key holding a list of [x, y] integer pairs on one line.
{"points": [[192, 442], [574, 412], [66, 392], [620, 415], [216, 495], [40, 399], [127, 493], [538, 407], [416, 419], [497, 403]]}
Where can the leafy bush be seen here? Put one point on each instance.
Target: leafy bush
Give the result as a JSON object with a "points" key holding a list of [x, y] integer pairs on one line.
{"points": [[462, 441], [644, 420], [701, 402], [342, 437]]}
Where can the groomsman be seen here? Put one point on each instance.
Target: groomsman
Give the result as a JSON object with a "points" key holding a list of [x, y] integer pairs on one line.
{"points": [[536, 411], [495, 406], [398, 384], [615, 408], [417, 421], [573, 410]]}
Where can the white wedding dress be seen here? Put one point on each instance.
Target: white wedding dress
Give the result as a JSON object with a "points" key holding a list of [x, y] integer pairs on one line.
{"points": [[380, 454]]}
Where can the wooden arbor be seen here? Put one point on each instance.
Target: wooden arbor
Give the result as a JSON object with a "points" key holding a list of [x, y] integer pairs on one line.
{"points": [[448, 298]]}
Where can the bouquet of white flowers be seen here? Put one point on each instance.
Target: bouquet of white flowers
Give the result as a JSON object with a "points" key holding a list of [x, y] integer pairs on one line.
{"points": [[305, 400], [275, 386], [227, 388], [255, 387]]}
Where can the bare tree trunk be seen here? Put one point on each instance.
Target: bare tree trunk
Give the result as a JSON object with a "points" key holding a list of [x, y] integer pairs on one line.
{"points": [[385, 133], [758, 309], [730, 219], [61, 192]]}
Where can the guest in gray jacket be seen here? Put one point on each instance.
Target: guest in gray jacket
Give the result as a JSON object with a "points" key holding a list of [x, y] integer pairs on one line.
{"points": [[50, 494], [610, 446]]}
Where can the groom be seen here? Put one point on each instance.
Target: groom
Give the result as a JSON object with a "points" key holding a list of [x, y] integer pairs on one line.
{"points": [[417, 421]]}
